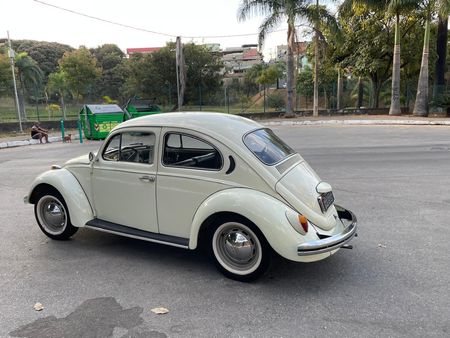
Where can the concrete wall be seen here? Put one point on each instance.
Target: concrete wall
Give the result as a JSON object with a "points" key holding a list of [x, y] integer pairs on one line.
{"points": [[26, 126]]}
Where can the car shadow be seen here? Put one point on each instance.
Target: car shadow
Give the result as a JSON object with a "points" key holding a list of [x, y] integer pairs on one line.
{"points": [[337, 268]]}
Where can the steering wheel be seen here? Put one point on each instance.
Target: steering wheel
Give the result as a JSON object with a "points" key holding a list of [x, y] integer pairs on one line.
{"points": [[131, 156]]}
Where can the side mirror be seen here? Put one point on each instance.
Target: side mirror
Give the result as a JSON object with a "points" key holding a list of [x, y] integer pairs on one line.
{"points": [[91, 156]]}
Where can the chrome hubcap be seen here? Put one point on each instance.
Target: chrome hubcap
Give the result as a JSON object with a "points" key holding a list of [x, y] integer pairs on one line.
{"points": [[52, 214], [237, 248]]}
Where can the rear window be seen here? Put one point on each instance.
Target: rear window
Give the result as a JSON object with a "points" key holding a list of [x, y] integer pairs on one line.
{"points": [[267, 146]]}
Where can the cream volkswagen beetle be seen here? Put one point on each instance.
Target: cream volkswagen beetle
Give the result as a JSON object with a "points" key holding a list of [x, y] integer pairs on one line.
{"points": [[193, 180]]}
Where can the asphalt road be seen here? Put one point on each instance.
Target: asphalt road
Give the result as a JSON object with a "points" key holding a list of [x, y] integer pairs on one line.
{"points": [[394, 283]]}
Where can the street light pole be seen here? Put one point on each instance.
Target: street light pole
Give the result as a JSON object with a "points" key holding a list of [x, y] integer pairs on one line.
{"points": [[11, 58]]}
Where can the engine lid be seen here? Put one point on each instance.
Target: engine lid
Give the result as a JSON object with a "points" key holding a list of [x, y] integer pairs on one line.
{"points": [[300, 187]]}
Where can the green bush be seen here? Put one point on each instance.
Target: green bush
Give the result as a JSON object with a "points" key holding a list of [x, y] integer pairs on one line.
{"points": [[441, 100], [276, 101], [53, 110]]}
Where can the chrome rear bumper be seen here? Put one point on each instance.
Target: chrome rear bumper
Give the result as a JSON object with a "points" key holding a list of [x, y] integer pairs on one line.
{"points": [[334, 242]]}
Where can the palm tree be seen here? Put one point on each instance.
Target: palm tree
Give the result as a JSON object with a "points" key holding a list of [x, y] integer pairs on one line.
{"points": [[275, 11], [421, 104], [30, 76], [396, 8], [443, 7]]}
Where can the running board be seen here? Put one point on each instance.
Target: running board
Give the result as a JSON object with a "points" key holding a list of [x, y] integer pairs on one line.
{"points": [[122, 230]]}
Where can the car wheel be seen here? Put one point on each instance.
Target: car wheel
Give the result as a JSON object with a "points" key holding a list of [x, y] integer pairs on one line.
{"points": [[239, 250], [53, 217]]}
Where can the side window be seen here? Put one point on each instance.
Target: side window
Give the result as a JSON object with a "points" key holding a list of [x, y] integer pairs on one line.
{"points": [[190, 152], [136, 147]]}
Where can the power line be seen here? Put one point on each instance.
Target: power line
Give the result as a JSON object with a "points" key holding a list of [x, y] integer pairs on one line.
{"points": [[144, 29], [103, 20]]}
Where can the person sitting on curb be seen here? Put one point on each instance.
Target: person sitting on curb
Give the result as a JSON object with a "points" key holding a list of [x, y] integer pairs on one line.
{"points": [[39, 133]]}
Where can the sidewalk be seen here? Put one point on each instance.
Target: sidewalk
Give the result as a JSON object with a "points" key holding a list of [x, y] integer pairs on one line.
{"points": [[360, 120], [24, 139]]}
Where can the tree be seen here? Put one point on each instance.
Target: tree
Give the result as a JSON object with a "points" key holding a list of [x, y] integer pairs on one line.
{"points": [[82, 71], [305, 83], [327, 34], [30, 77], [46, 54], [110, 58], [421, 104], [58, 84], [270, 74], [365, 49], [203, 72], [396, 8], [108, 55], [251, 79], [5, 74], [443, 8], [275, 11], [154, 75]]}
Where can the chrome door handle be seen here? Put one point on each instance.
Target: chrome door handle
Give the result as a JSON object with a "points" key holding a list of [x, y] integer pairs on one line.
{"points": [[148, 178]]}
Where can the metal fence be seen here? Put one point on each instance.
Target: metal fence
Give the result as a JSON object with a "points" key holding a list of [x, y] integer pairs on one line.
{"points": [[235, 100]]}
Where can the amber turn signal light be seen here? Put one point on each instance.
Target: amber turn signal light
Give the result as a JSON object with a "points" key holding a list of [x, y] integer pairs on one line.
{"points": [[304, 222]]}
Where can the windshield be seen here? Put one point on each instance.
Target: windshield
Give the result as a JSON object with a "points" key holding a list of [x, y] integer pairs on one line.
{"points": [[267, 146]]}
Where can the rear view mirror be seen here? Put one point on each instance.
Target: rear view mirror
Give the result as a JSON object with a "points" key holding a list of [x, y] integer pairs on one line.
{"points": [[91, 156]]}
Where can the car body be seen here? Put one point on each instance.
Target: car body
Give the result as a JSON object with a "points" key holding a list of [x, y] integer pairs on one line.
{"points": [[196, 180]]}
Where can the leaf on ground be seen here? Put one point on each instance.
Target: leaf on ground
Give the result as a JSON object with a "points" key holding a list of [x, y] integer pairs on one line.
{"points": [[38, 307], [160, 310]]}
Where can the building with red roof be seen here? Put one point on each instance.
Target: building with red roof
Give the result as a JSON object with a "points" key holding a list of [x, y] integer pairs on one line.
{"points": [[144, 50]]}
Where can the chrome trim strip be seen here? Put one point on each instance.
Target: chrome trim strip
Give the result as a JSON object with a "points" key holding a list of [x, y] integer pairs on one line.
{"points": [[137, 237], [333, 242]]}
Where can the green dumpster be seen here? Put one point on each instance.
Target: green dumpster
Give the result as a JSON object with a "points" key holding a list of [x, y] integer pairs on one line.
{"points": [[97, 120], [138, 107]]}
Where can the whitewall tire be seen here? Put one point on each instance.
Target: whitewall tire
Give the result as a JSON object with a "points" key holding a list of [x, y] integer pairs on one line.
{"points": [[239, 249]]}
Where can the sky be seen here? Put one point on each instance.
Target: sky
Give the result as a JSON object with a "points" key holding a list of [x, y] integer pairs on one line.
{"points": [[28, 19]]}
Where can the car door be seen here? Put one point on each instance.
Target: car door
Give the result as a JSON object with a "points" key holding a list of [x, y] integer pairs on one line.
{"points": [[192, 168], [124, 179]]}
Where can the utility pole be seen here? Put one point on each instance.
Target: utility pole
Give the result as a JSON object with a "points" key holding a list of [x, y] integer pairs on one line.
{"points": [[225, 97], [11, 58], [178, 83]]}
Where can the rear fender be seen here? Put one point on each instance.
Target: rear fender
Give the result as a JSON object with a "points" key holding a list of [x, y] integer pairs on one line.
{"points": [[67, 185], [265, 211]]}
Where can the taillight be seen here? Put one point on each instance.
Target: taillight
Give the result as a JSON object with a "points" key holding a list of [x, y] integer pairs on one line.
{"points": [[299, 222], [304, 222]]}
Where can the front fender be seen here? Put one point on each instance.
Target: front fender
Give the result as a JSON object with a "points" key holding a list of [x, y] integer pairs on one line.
{"points": [[67, 185], [265, 211]]}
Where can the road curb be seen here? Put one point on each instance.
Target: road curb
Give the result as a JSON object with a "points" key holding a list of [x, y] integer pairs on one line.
{"points": [[28, 142], [357, 122]]}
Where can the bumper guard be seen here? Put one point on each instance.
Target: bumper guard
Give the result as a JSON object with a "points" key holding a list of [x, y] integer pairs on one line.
{"points": [[334, 242]]}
